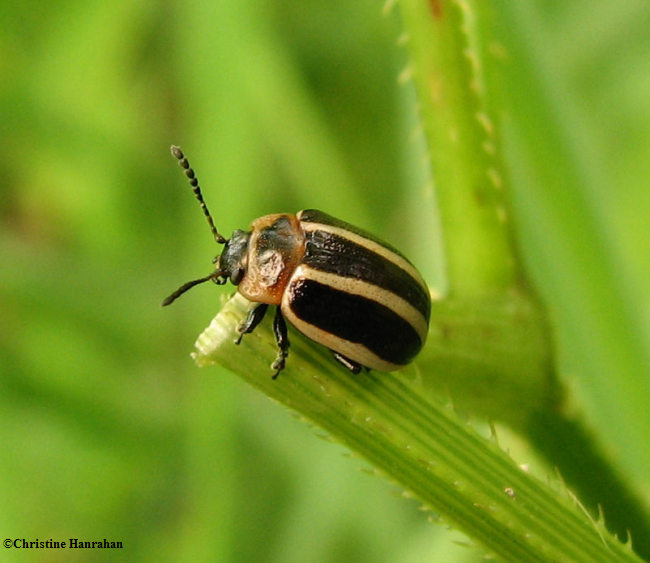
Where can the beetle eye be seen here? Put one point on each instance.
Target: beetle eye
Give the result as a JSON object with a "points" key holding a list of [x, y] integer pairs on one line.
{"points": [[237, 276]]}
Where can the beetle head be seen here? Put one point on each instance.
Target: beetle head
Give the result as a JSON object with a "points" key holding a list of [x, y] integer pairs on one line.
{"points": [[234, 259]]}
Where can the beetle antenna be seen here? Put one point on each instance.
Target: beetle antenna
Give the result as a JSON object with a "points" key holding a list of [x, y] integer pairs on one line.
{"points": [[194, 182], [189, 285]]}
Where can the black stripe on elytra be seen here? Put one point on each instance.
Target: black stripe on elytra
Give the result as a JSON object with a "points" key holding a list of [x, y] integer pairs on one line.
{"points": [[356, 319], [316, 216], [333, 254]]}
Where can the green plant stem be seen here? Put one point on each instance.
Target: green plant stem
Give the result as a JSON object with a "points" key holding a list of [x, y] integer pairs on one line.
{"points": [[463, 150], [389, 420]]}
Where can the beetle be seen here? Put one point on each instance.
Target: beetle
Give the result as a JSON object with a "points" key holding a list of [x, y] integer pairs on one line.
{"points": [[335, 283]]}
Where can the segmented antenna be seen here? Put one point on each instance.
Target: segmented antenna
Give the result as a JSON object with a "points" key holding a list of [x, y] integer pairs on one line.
{"points": [[183, 288], [194, 182]]}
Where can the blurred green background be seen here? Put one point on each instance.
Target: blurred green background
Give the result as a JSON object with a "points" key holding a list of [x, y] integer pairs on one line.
{"points": [[108, 430]]}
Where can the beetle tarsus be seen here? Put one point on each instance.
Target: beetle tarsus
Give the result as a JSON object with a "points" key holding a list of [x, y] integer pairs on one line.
{"points": [[278, 365], [282, 340]]}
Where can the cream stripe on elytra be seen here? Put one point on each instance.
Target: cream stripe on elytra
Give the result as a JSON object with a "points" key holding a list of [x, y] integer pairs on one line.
{"points": [[370, 245], [369, 291]]}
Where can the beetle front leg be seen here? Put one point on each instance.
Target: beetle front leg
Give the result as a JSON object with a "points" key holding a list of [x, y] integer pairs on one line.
{"points": [[254, 317], [282, 340]]}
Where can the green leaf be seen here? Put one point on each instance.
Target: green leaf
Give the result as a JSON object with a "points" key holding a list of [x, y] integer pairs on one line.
{"points": [[390, 420]]}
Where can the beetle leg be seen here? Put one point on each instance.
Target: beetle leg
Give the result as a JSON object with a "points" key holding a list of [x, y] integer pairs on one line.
{"points": [[254, 317], [354, 367], [282, 339]]}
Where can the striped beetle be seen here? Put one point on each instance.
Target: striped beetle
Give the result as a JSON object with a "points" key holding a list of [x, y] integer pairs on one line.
{"points": [[338, 285]]}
